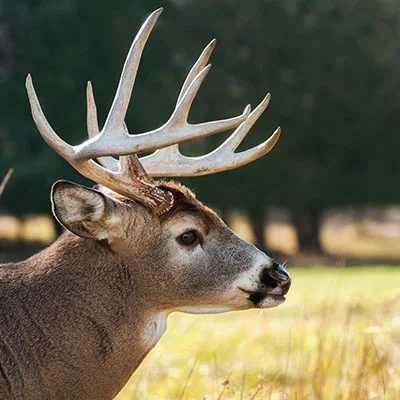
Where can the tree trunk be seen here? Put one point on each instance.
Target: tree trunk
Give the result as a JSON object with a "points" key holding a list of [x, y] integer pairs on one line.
{"points": [[307, 223], [59, 229]]}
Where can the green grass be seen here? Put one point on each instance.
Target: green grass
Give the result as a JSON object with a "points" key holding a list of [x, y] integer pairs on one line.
{"points": [[336, 337]]}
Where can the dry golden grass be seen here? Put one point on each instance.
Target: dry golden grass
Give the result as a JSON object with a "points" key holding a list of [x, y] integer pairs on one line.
{"points": [[337, 337]]}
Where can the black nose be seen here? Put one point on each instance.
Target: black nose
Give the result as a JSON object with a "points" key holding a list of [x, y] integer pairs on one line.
{"points": [[276, 276]]}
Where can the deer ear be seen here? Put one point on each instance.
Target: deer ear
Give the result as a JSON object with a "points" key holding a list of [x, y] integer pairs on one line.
{"points": [[81, 210]]}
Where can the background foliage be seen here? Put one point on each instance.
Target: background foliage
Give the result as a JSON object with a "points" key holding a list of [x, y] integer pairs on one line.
{"points": [[334, 339], [332, 68]]}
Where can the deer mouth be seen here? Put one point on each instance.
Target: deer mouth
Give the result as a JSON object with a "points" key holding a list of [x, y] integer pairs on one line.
{"points": [[260, 299]]}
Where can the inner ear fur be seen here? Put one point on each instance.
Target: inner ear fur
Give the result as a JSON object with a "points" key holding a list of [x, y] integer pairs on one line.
{"points": [[81, 210]]}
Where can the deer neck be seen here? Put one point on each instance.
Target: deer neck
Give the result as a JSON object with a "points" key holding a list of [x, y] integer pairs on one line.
{"points": [[85, 311]]}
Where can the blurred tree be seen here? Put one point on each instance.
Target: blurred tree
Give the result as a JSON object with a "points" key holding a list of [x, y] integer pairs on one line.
{"points": [[332, 67]]}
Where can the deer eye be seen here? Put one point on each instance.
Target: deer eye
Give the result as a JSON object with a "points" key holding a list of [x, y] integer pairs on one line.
{"points": [[188, 238]]}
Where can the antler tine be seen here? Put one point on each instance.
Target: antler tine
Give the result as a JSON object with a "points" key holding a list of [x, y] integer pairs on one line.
{"points": [[128, 167], [91, 115], [170, 162], [116, 116], [196, 131], [45, 129], [199, 65], [93, 128], [233, 142], [182, 108], [197, 68]]}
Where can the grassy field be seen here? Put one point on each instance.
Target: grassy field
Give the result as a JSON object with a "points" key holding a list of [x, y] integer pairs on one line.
{"points": [[336, 337]]}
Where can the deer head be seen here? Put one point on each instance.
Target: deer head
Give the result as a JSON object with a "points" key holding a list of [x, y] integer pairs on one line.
{"points": [[178, 254], [137, 215]]}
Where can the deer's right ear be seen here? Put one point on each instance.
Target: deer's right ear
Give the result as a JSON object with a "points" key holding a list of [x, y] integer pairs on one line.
{"points": [[81, 210]]}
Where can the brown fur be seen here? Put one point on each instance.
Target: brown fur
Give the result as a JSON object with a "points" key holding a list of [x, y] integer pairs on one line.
{"points": [[79, 317]]}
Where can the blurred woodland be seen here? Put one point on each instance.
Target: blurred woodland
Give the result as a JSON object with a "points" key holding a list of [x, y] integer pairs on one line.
{"points": [[333, 69]]}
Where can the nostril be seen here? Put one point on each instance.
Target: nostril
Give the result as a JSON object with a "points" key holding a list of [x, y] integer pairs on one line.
{"points": [[274, 276], [267, 279]]}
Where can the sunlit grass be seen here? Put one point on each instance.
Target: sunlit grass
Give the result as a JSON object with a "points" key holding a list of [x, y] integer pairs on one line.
{"points": [[337, 337]]}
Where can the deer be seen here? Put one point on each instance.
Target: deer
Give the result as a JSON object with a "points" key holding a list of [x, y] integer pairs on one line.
{"points": [[78, 318]]}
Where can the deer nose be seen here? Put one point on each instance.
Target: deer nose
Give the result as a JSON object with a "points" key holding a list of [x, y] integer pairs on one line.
{"points": [[276, 276]]}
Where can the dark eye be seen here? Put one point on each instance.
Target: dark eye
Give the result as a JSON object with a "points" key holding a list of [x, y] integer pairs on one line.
{"points": [[188, 238]]}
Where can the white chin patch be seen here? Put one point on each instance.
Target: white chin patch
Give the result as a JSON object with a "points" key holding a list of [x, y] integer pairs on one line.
{"points": [[205, 309], [271, 301]]}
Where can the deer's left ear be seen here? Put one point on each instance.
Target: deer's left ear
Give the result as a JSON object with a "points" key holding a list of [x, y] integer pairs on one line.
{"points": [[81, 210]]}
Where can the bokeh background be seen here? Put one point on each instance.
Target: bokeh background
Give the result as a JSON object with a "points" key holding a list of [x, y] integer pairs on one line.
{"points": [[328, 194]]}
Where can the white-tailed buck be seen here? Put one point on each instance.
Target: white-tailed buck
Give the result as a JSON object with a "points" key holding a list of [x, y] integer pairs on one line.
{"points": [[78, 318]]}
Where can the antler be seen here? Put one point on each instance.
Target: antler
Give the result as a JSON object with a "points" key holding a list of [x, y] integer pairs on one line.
{"points": [[127, 176], [169, 161], [5, 180]]}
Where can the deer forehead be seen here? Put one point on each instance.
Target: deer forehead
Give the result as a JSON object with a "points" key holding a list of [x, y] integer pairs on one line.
{"points": [[199, 220]]}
